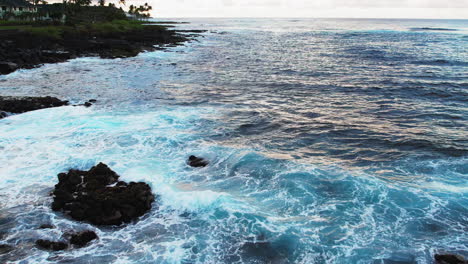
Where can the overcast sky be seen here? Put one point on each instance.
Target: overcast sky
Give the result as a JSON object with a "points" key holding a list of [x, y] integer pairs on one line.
{"points": [[310, 8]]}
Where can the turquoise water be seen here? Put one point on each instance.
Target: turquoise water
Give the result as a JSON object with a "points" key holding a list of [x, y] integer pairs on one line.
{"points": [[329, 141]]}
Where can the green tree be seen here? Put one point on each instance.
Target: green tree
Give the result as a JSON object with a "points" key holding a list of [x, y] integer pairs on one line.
{"points": [[141, 12]]}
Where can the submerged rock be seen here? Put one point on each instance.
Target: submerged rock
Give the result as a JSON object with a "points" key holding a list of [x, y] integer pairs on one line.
{"points": [[83, 238], [262, 252], [449, 259], [51, 245], [17, 105], [195, 161], [4, 249], [88, 196]]}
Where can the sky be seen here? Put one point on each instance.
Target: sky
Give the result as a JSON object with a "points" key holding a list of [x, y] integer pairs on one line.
{"points": [[444, 9]]}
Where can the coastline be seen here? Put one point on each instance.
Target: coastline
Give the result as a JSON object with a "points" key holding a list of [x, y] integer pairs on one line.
{"points": [[29, 48]]}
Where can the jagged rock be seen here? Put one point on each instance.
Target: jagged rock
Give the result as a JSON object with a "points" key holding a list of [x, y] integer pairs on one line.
{"points": [[88, 196], [51, 245], [450, 259], [197, 162], [83, 238], [17, 105]]}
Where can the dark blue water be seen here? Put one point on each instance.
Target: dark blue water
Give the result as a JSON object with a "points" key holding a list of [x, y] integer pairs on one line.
{"points": [[330, 141]]}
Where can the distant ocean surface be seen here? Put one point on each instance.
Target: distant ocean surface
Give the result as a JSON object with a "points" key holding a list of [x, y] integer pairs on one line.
{"points": [[329, 141]]}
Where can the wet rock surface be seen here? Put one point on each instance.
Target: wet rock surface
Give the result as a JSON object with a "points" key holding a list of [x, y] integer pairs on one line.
{"points": [[8, 67], [262, 252], [96, 196], [197, 162], [449, 259], [46, 226], [80, 239], [51, 245], [17, 105], [4, 249], [83, 238]]}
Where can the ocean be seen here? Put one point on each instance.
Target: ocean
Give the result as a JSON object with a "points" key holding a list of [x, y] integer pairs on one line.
{"points": [[329, 141]]}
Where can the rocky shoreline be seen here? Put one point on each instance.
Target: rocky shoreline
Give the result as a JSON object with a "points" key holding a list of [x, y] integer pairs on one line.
{"points": [[21, 104], [26, 50]]}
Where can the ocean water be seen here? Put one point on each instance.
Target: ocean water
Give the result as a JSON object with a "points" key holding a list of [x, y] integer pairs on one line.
{"points": [[329, 141]]}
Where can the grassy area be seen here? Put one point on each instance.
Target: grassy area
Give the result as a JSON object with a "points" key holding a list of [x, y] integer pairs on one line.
{"points": [[5, 23], [119, 26], [56, 31]]}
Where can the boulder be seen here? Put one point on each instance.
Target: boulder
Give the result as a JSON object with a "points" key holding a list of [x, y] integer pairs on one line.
{"points": [[195, 161], [51, 245], [83, 238], [96, 196], [449, 259]]}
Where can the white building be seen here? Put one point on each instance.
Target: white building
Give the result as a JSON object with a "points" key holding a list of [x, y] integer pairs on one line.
{"points": [[16, 7]]}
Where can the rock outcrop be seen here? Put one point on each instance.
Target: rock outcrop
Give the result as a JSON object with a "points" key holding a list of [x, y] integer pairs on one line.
{"points": [[22, 49], [98, 197], [83, 238], [195, 161], [51, 245], [18, 104], [449, 259], [80, 239]]}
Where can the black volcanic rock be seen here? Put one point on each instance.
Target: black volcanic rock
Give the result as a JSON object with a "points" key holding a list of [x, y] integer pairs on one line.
{"points": [[83, 238], [96, 196], [261, 252], [17, 105], [21, 49], [8, 67], [197, 162], [46, 226], [449, 259], [4, 249], [51, 245]]}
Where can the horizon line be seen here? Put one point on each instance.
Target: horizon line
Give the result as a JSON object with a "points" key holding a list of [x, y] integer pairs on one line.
{"points": [[266, 17]]}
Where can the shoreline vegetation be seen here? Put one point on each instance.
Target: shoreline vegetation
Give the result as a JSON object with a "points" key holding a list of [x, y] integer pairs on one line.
{"points": [[26, 46], [59, 32]]}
